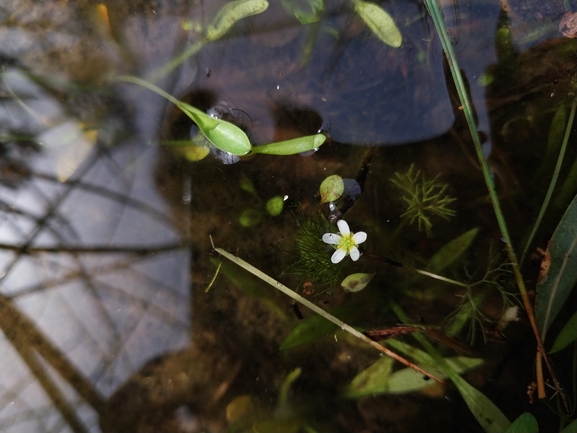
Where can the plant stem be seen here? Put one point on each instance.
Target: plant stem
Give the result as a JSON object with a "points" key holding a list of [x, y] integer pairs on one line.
{"points": [[416, 270], [435, 13], [178, 60], [553, 182]]}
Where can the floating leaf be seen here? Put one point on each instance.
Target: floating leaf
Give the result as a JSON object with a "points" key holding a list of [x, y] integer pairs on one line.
{"points": [[357, 282], [331, 188], [555, 286], [292, 147], [567, 335], [231, 13], [274, 205], [525, 423], [452, 251], [380, 22]]}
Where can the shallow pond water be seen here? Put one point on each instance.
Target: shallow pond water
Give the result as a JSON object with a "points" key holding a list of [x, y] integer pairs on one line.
{"points": [[116, 313]]}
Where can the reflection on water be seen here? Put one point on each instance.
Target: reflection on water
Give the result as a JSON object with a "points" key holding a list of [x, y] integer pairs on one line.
{"points": [[105, 259]]}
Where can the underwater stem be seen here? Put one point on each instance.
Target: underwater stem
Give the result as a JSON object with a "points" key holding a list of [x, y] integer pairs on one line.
{"points": [[175, 63], [435, 13], [416, 270]]}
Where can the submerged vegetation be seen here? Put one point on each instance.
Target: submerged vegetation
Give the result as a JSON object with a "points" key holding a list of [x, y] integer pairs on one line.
{"points": [[501, 285], [425, 198], [437, 300]]}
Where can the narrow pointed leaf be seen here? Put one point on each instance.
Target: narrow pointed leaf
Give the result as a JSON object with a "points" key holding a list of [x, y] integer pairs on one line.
{"points": [[452, 251], [567, 335], [292, 147], [525, 423], [490, 417]]}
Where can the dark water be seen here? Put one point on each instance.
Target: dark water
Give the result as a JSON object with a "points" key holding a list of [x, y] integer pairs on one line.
{"points": [[107, 324]]}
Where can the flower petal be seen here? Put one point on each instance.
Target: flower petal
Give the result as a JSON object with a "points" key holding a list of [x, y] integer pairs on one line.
{"points": [[343, 227], [359, 237], [355, 254], [331, 238], [338, 255]]}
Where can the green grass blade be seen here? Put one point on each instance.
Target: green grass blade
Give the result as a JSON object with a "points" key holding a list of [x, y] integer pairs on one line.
{"points": [[553, 182]]}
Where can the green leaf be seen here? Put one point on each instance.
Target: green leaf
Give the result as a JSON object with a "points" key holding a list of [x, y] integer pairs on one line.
{"points": [[492, 420], [315, 327], [310, 13], [408, 380], [567, 335], [378, 378], [372, 380], [525, 423], [331, 188], [380, 22], [250, 217], [292, 147], [571, 428], [554, 140], [554, 288], [231, 13], [222, 134], [356, 282], [452, 251], [274, 205]]}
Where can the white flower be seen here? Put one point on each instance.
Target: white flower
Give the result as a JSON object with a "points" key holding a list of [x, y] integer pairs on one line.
{"points": [[345, 242]]}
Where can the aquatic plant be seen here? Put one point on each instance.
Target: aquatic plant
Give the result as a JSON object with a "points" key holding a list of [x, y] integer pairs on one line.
{"points": [[497, 278], [425, 198], [314, 265], [226, 136], [345, 243]]}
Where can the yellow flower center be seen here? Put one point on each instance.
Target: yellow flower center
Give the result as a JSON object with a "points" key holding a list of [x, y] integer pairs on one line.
{"points": [[347, 242]]}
